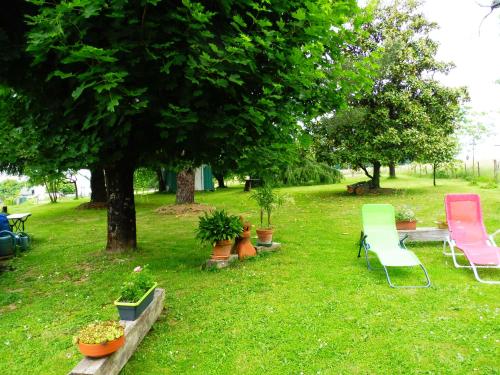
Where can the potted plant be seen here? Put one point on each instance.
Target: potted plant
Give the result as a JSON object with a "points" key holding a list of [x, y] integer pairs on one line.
{"points": [[219, 229], [441, 223], [267, 200], [137, 292], [243, 245], [100, 339], [405, 219]]}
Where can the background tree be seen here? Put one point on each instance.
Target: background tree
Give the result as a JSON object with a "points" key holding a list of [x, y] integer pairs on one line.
{"points": [[474, 128], [383, 126], [98, 194], [440, 150]]}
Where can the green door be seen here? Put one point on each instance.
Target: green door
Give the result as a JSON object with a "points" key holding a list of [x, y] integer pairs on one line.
{"points": [[208, 178]]}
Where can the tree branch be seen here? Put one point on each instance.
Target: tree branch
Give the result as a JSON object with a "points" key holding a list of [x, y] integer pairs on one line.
{"points": [[366, 171]]}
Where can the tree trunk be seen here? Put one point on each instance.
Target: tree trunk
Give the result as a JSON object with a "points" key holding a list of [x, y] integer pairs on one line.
{"points": [[97, 186], [185, 187], [162, 186], [375, 182], [76, 189], [434, 174], [121, 208], [392, 170], [220, 180]]}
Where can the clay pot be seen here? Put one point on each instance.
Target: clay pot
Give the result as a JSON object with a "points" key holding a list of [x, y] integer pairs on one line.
{"points": [[265, 237], [222, 250], [441, 224], [406, 225], [244, 246], [101, 350]]}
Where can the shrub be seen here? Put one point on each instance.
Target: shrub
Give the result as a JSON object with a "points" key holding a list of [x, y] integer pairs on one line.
{"points": [[138, 283], [100, 332], [309, 172], [217, 226]]}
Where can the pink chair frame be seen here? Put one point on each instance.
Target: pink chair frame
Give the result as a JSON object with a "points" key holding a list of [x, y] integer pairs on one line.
{"points": [[467, 233]]}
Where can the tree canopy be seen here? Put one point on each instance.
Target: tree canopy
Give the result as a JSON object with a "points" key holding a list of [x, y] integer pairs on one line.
{"points": [[120, 84], [406, 105]]}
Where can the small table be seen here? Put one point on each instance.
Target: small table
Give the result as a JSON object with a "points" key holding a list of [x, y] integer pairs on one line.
{"points": [[425, 234], [17, 221]]}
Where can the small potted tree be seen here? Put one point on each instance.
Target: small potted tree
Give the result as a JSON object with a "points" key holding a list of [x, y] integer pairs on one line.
{"points": [[405, 219], [100, 339], [137, 292], [267, 200], [219, 229]]}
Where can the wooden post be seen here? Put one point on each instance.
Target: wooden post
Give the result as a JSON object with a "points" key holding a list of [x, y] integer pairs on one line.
{"points": [[478, 169]]}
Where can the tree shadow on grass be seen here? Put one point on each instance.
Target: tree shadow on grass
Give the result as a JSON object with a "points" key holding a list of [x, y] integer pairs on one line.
{"points": [[384, 192]]}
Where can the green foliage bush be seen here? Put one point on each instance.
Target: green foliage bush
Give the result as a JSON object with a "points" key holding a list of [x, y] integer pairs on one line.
{"points": [[67, 189], [217, 226], [309, 172], [145, 178], [100, 332], [137, 283], [9, 189]]}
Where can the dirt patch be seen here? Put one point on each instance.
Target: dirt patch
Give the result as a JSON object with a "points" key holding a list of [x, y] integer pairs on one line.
{"points": [[184, 209], [92, 206]]}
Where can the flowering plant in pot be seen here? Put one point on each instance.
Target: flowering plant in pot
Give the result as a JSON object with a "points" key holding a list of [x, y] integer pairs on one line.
{"points": [[267, 200], [406, 219], [100, 339], [137, 292], [218, 228]]}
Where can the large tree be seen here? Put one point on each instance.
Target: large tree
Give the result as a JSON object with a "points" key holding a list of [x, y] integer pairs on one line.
{"points": [[406, 104], [120, 84]]}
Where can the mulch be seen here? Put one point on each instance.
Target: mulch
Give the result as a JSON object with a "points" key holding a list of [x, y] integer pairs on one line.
{"points": [[184, 209]]}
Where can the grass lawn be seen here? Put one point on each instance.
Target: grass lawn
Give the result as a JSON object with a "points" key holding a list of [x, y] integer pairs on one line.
{"points": [[312, 308]]}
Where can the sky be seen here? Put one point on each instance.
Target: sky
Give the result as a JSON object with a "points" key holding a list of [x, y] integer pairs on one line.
{"points": [[476, 56]]}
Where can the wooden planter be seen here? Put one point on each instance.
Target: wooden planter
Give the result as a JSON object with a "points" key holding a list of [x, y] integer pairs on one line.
{"points": [[406, 225]]}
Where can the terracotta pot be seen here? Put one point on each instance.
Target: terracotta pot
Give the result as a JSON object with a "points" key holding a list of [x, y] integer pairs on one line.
{"points": [[101, 350], [265, 237], [406, 225], [244, 246], [222, 250], [441, 224]]}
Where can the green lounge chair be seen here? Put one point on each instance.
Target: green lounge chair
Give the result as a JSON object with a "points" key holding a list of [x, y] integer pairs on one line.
{"points": [[380, 236]]}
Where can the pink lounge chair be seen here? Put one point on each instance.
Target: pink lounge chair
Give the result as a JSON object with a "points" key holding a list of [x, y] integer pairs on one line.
{"points": [[468, 234]]}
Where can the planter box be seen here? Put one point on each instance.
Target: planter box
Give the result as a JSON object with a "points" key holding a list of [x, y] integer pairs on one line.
{"points": [[134, 333], [406, 225], [131, 311]]}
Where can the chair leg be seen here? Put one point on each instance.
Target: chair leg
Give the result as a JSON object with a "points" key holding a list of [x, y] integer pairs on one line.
{"points": [[476, 274], [428, 284], [361, 240]]}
